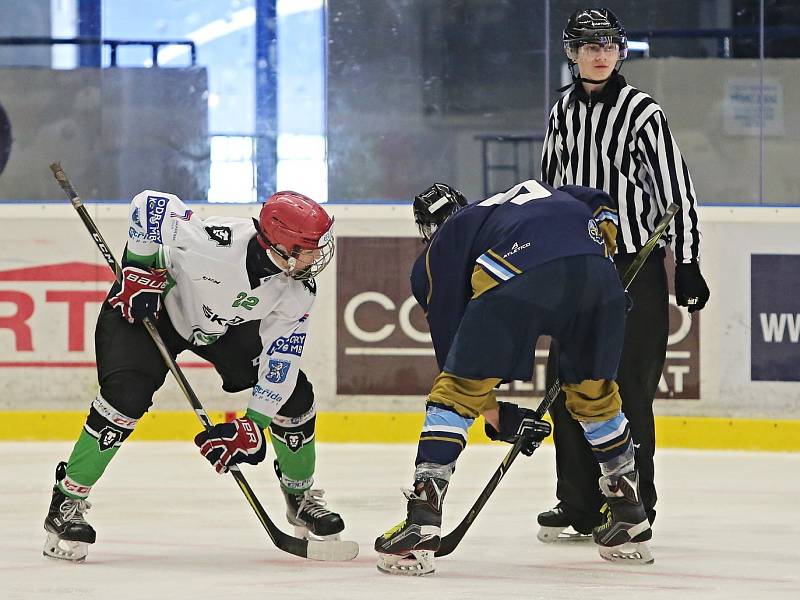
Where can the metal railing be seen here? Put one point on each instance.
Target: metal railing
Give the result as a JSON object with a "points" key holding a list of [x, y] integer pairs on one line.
{"points": [[514, 154], [155, 45], [723, 36]]}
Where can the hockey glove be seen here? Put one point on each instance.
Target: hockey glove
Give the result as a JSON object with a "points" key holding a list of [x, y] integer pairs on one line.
{"points": [[516, 422], [228, 444], [690, 287], [608, 230], [139, 294]]}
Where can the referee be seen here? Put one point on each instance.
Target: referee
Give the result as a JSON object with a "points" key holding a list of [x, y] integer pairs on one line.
{"points": [[609, 135]]}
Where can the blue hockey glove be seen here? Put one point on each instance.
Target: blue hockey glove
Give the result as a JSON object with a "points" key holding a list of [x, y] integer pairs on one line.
{"points": [[228, 444]]}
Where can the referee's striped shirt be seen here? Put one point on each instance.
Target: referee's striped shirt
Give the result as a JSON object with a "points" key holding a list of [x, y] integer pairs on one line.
{"points": [[618, 140]]}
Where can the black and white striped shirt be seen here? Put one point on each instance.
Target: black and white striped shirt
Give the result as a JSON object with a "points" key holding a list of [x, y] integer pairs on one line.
{"points": [[618, 140]]}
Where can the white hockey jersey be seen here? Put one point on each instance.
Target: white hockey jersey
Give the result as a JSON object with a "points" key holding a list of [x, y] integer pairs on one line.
{"points": [[209, 289]]}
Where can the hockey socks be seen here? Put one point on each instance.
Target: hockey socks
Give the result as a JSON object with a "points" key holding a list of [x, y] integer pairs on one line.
{"points": [[103, 433], [611, 444], [443, 436]]}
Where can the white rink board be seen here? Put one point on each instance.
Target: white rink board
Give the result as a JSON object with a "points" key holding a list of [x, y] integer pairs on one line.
{"points": [[169, 527], [43, 234]]}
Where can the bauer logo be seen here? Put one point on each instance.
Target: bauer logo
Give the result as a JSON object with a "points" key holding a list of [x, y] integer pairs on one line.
{"points": [[384, 346], [775, 317]]}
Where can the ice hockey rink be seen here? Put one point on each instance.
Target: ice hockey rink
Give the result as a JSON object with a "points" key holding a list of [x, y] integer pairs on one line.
{"points": [[169, 527]]}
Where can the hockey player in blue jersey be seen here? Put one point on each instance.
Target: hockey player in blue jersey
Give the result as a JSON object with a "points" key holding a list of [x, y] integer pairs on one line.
{"points": [[494, 276]]}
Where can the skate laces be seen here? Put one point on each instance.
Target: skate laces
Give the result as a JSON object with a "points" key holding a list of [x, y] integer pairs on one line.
{"points": [[313, 503], [72, 510]]}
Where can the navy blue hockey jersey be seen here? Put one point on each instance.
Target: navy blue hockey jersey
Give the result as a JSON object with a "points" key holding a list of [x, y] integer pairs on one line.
{"points": [[489, 242]]}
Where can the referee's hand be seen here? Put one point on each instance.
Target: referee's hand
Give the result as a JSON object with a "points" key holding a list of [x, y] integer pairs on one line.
{"points": [[690, 287]]}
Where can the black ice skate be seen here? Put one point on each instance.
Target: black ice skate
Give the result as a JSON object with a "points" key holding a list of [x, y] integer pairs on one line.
{"points": [[311, 520], [623, 537], [408, 547], [68, 533], [306, 511], [562, 524]]}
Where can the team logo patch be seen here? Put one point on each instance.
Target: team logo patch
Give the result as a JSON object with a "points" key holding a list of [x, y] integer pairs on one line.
{"points": [[277, 370], [109, 437], [220, 234], [294, 441], [594, 232]]}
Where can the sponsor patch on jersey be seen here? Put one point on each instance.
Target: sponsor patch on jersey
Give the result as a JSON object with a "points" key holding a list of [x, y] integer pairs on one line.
{"points": [[267, 395], [292, 344], [136, 218], [594, 232], [155, 213], [516, 248], [277, 370], [220, 234]]}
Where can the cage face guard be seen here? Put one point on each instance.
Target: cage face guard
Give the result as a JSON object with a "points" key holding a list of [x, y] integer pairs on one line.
{"points": [[292, 225], [434, 206]]}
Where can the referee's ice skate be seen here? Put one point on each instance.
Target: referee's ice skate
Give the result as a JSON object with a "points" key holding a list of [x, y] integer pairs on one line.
{"points": [[562, 524]]}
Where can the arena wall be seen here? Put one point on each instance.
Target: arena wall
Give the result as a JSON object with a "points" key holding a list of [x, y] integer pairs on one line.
{"points": [[731, 379]]}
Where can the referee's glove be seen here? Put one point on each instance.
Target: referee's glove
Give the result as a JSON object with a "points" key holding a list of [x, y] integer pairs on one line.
{"points": [[690, 287]]}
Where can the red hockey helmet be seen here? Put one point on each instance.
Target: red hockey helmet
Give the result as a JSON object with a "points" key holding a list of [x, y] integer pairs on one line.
{"points": [[296, 223]]}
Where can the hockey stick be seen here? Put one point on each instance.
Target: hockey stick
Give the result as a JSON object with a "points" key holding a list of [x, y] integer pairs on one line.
{"points": [[452, 539], [315, 550]]}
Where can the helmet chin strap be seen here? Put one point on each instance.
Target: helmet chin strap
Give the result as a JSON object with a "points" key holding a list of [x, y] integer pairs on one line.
{"points": [[577, 78]]}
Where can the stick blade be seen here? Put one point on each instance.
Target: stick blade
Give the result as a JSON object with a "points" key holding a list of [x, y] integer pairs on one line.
{"points": [[336, 550]]}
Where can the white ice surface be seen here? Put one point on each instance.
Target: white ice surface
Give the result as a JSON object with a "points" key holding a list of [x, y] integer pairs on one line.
{"points": [[168, 527]]}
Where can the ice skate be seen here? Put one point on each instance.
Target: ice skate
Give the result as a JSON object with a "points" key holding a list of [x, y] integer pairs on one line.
{"points": [[311, 520], [68, 533], [623, 537], [408, 547], [560, 524]]}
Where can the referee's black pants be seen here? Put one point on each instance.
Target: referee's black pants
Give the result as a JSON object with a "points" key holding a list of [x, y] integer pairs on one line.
{"points": [[641, 365]]}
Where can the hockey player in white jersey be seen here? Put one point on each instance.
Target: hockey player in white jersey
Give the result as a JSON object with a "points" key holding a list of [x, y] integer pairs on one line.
{"points": [[237, 292]]}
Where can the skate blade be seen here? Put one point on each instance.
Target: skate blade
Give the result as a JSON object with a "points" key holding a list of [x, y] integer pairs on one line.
{"points": [[305, 534], [416, 564], [55, 547], [550, 535], [632, 553]]}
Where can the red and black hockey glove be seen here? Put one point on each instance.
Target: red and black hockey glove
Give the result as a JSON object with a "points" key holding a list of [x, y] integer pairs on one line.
{"points": [[228, 444], [139, 294], [516, 422], [690, 286]]}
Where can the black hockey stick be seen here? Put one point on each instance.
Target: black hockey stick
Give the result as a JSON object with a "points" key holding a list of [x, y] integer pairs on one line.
{"points": [[315, 550], [451, 540]]}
